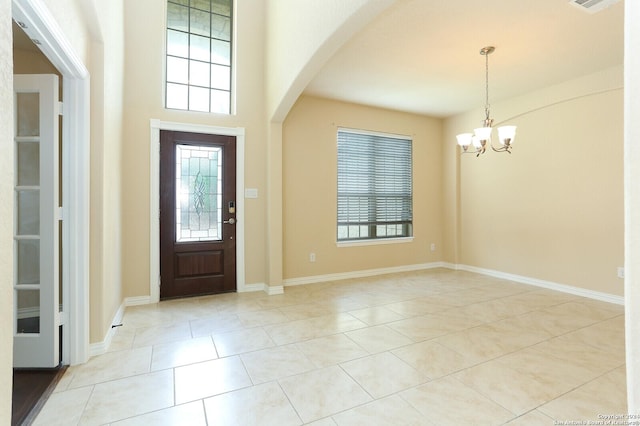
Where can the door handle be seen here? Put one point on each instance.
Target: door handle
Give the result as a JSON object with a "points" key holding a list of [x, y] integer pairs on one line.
{"points": [[231, 221]]}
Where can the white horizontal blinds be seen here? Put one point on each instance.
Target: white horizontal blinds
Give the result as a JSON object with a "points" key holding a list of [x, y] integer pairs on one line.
{"points": [[374, 185]]}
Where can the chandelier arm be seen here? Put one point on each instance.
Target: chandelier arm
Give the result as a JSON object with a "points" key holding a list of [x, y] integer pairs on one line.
{"points": [[505, 148]]}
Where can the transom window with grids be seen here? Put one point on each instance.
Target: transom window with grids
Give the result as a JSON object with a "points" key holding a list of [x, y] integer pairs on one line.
{"points": [[198, 73], [374, 186]]}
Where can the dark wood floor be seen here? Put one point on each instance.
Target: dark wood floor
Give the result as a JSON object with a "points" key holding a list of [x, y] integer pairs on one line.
{"points": [[31, 388]]}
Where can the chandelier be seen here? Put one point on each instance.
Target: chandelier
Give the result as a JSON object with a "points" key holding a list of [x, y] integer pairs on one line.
{"points": [[482, 135]]}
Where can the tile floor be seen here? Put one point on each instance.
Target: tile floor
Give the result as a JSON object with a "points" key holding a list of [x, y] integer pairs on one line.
{"points": [[435, 347]]}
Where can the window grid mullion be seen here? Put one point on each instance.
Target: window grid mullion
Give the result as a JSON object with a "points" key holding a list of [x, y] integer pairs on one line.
{"points": [[189, 59], [224, 85], [210, 55]]}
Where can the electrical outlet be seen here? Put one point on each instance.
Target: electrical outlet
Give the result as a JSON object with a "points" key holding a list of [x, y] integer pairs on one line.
{"points": [[620, 271], [312, 257], [433, 246]]}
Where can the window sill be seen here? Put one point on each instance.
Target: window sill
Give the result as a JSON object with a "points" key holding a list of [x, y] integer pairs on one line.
{"points": [[374, 242]]}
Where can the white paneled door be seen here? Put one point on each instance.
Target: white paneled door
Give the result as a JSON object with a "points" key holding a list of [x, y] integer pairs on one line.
{"points": [[36, 222]]}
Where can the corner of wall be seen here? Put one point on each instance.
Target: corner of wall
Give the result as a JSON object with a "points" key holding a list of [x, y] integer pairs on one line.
{"points": [[102, 347], [6, 210]]}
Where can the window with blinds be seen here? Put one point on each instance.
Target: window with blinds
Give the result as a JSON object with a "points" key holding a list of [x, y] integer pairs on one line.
{"points": [[374, 186]]}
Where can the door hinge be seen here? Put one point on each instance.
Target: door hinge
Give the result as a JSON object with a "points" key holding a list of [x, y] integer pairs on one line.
{"points": [[60, 106], [62, 318], [60, 213]]}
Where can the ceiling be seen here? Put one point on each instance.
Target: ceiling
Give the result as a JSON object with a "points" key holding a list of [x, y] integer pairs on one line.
{"points": [[422, 56]]}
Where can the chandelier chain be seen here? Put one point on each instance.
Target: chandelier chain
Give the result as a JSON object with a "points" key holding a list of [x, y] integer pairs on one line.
{"points": [[487, 107]]}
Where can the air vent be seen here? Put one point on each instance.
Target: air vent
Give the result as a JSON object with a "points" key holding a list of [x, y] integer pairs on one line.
{"points": [[592, 6]]}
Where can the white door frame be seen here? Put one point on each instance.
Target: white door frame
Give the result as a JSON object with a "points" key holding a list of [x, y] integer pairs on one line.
{"points": [[36, 20], [154, 201]]}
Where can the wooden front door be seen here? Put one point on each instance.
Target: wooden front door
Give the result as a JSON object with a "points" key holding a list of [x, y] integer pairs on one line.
{"points": [[197, 214]]}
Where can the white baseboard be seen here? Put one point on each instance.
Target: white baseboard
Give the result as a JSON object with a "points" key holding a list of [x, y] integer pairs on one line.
{"points": [[100, 348], [249, 288], [596, 295], [361, 274], [591, 294], [272, 290], [137, 300]]}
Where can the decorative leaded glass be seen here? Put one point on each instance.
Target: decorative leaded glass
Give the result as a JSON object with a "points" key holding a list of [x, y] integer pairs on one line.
{"points": [[198, 193]]}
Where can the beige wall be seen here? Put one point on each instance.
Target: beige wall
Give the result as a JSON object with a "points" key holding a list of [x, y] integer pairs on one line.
{"points": [[300, 36], [72, 20], [309, 175], [106, 65], [6, 211], [553, 209], [451, 192], [145, 29]]}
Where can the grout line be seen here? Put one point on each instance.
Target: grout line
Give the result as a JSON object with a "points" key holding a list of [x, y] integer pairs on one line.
{"points": [[352, 293]]}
